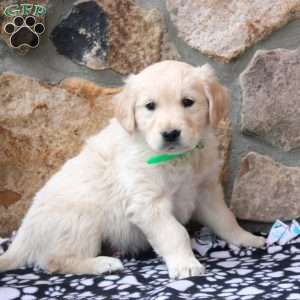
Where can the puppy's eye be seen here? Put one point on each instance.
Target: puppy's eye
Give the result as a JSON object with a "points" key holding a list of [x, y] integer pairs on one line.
{"points": [[186, 102], [151, 105]]}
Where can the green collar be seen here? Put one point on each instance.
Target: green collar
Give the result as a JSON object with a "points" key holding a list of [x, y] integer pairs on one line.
{"points": [[161, 158]]}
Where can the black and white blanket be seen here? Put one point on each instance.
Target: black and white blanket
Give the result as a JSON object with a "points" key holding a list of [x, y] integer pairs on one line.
{"points": [[231, 273]]}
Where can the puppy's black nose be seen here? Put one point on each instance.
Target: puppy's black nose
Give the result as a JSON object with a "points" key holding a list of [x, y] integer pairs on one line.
{"points": [[171, 136]]}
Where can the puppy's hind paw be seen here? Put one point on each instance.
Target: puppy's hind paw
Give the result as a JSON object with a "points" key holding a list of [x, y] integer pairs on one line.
{"points": [[76, 265], [105, 264], [258, 242], [250, 240]]}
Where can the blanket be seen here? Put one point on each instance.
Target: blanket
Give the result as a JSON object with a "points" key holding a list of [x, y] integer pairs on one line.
{"points": [[231, 273]]}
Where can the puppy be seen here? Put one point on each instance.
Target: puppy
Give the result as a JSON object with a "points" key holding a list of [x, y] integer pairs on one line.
{"points": [[109, 193]]}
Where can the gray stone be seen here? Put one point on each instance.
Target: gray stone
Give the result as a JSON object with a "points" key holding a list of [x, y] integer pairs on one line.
{"points": [[225, 29], [113, 34], [271, 97], [266, 190]]}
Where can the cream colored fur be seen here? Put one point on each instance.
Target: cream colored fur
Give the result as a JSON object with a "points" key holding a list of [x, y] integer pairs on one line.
{"points": [[108, 193]]}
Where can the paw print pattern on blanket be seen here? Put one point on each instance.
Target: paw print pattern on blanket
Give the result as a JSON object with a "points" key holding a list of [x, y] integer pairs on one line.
{"points": [[80, 284], [55, 291], [231, 274]]}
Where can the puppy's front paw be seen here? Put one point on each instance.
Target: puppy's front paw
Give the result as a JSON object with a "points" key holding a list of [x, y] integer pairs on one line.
{"points": [[248, 239], [185, 267]]}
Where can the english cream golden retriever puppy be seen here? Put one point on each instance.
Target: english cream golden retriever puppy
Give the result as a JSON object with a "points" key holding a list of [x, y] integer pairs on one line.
{"points": [[109, 193]]}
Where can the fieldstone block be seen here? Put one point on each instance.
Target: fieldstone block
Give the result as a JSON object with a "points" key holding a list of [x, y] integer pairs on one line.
{"points": [[271, 97], [266, 190], [113, 34], [40, 127], [225, 29]]}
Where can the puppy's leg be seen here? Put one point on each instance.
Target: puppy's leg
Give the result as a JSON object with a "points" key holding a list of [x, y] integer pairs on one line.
{"points": [[63, 244], [75, 250], [167, 237], [80, 265], [211, 210]]}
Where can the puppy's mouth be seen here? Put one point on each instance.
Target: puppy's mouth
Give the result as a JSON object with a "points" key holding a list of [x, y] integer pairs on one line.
{"points": [[173, 148], [176, 147]]}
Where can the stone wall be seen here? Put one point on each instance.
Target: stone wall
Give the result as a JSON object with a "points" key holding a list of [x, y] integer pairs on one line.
{"points": [[54, 96]]}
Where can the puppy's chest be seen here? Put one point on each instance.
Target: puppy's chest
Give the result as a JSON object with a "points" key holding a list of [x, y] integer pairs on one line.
{"points": [[181, 188], [175, 178]]}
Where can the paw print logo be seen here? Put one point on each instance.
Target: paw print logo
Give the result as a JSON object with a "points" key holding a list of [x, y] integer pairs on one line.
{"points": [[24, 32]]}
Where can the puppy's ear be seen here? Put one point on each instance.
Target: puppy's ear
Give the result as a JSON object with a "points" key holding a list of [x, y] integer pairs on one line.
{"points": [[217, 95], [124, 103]]}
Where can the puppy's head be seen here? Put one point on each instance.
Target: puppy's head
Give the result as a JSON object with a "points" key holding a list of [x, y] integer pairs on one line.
{"points": [[171, 104]]}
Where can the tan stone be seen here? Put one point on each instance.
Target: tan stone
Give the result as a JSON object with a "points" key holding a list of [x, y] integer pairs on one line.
{"points": [[225, 29], [266, 190], [40, 127], [134, 35]]}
